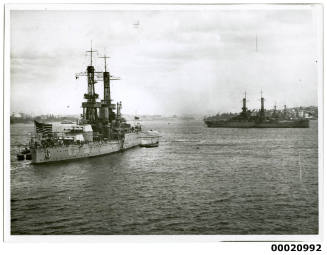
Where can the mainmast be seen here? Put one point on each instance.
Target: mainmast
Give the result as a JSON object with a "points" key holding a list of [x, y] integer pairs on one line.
{"points": [[244, 109], [106, 82], [106, 102], [107, 107]]}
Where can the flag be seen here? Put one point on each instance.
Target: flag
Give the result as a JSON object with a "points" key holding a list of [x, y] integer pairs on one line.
{"points": [[43, 128]]}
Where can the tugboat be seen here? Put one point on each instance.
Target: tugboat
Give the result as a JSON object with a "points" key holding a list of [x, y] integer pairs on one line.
{"points": [[249, 119], [100, 130]]}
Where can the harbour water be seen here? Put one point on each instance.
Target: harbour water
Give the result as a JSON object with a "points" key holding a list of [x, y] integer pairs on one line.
{"points": [[198, 181]]}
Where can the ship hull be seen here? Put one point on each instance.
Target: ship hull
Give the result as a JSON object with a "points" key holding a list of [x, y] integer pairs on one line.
{"points": [[92, 149], [252, 124], [152, 145]]}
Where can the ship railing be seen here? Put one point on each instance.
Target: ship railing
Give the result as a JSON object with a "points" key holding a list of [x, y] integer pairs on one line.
{"points": [[60, 143]]}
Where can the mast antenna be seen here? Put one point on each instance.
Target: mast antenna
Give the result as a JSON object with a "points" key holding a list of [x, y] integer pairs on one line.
{"points": [[105, 62], [91, 51]]}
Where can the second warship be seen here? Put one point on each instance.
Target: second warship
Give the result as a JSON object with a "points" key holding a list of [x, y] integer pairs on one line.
{"points": [[100, 130], [251, 119]]}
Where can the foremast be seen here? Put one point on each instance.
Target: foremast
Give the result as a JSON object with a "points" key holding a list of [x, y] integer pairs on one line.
{"points": [[90, 107]]}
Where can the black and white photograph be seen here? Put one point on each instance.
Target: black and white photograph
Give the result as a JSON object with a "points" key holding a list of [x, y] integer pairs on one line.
{"points": [[164, 120]]}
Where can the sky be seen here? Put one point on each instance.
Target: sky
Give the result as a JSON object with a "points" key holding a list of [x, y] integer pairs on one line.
{"points": [[174, 62]]}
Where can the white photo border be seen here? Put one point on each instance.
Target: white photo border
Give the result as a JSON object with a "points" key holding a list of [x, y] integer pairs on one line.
{"points": [[317, 8]]}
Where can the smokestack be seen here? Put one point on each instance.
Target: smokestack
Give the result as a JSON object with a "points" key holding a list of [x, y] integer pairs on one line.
{"points": [[106, 87], [106, 95]]}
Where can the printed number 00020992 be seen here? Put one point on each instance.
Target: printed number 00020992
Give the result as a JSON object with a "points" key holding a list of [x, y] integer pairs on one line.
{"points": [[296, 247]]}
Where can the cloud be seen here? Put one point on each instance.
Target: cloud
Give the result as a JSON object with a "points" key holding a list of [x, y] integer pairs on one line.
{"points": [[173, 62]]}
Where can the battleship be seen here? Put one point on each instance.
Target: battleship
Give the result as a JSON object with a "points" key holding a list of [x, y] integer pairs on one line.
{"points": [[251, 119], [100, 130]]}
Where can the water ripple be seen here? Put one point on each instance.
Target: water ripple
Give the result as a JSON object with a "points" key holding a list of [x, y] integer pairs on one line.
{"points": [[198, 181]]}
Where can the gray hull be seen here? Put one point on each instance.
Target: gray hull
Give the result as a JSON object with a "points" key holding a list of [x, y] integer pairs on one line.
{"points": [[92, 149], [252, 124]]}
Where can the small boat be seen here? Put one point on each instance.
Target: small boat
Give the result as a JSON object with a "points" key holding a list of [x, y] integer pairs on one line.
{"points": [[24, 154], [150, 139], [20, 156], [149, 144]]}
